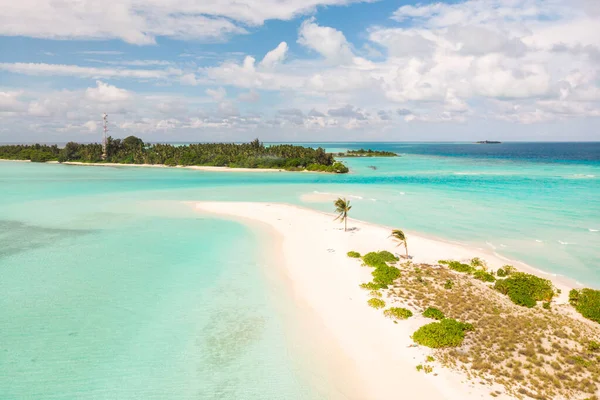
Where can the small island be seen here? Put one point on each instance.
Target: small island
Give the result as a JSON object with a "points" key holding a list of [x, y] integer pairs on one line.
{"points": [[367, 153], [133, 151], [488, 142]]}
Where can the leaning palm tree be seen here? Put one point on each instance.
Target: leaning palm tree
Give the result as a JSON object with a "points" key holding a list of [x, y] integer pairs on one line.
{"points": [[401, 238], [342, 206]]}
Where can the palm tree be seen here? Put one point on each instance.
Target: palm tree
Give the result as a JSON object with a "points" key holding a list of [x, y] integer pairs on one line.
{"points": [[401, 238], [342, 206]]}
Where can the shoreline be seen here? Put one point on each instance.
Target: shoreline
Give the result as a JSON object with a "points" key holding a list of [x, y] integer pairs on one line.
{"points": [[205, 168], [313, 249]]}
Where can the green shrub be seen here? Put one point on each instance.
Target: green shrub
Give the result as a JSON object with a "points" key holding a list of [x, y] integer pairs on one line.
{"points": [[398, 313], [525, 289], [433, 313], [501, 273], [546, 305], [509, 269], [376, 303], [378, 259], [385, 275], [419, 367], [478, 262], [483, 276], [446, 333], [430, 359], [457, 266], [375, 293], [586, 302], [593, 346], [369, 286], [449, 284], [353, 254]]}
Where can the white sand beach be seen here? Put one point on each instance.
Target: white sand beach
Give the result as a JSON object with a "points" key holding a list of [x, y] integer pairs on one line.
{"points": [[314, 251]]}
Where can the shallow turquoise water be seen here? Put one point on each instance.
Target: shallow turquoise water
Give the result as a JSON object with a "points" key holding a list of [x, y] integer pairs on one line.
{"points": [[112, 289]]}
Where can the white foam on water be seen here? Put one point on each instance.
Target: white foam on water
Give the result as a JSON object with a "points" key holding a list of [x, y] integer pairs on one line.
{"points": [[593, 230], [564, 243], [491, 245], [539, 241]]}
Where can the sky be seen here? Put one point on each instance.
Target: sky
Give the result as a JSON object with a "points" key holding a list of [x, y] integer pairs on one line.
{"points": [[300, 70]]}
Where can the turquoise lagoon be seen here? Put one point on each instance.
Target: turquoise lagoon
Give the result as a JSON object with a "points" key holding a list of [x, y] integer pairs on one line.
{"points": [[112, 288]]}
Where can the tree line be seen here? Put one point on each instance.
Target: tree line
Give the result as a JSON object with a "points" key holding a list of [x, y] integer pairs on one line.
{"points": [[132, 150]]}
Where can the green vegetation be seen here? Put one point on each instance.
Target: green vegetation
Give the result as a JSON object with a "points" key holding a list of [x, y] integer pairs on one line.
{"points": [[375, 293], [524, 350], [501, 273], [353, 254], [430, 359], [593, 346], [369, 286], [398, 313], [385, 275], [446, 333], [433, 313], [546, 305], [366, 153], [478, 263], [483, 276], [342, 207], [133, 150], [449, 284], [586, 302], [458, 266], [376, 303], [379, 258], [525, 289], [400, 237]]}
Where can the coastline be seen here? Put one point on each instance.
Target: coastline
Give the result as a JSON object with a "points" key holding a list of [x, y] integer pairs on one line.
{"points": [[313, 249], [205, 168]]}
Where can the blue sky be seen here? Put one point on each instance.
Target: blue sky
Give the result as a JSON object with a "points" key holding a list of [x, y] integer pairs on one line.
{"points": [[300, 70]]}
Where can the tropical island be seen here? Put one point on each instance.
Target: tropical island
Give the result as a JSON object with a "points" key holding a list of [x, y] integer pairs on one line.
{"points": [[476, 326], [133, 151], [488, 142], [366, 153]]}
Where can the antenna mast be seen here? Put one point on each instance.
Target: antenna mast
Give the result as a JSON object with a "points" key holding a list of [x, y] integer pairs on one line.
{"points": [[104, 136]]}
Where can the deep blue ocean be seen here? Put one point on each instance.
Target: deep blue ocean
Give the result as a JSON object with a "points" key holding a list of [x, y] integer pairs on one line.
{"points": [[113, 288]]}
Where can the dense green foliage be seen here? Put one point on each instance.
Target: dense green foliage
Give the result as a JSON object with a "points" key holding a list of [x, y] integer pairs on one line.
{"points": [[501, 273], [133, 150], [385, 275], [398, 313], [586, 302], [446, 333], [433, 313], [376, 303], [483, 276], [525, 289], [353, 254], [379, 258], [34, 152], [367, 153], [458, 266]]}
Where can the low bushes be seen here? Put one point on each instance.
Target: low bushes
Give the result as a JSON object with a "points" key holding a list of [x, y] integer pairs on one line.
{"points": [[385, 275], [376, 303], [446, 333], [398, 313], [433, 313], [484, 276], [525, 289], [458, 266], [586, 302], [379, 258], [353, 254]]}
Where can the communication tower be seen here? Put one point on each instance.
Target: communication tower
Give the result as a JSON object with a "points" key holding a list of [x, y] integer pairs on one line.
{"points": [[104, 134]]}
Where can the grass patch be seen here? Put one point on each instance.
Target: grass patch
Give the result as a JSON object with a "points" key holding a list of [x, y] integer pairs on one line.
{"points": [[398, 313], [446, 333], [458, 266], [484, 276], [525, 289], [376, 303], [586, 302], [379, 258], [353, 254], [433, 313]]}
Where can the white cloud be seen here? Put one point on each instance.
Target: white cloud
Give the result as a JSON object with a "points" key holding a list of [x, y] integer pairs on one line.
{"points": [[328, 42], [105, 93], [275, 56], [217, 94], [86, 72], [9, 102], [140, 22]]}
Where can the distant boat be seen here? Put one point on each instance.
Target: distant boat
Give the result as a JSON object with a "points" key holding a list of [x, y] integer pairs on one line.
{"points": [[488, 142], [372, 167]]}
